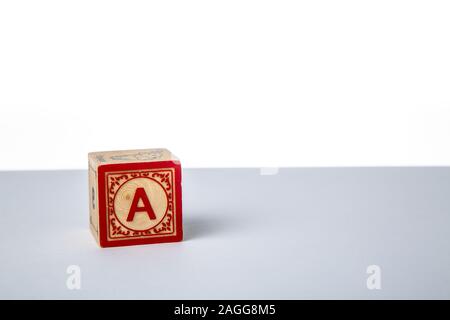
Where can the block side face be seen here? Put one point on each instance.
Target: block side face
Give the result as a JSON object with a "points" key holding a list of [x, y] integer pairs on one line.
{"points": [[93, 203], [141, 203]]}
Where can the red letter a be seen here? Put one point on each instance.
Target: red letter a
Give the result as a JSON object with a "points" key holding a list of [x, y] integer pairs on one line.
{"points": [[141, 195]]}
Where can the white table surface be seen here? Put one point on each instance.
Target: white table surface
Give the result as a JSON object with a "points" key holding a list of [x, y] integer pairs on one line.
{"points": [[300, 233]]}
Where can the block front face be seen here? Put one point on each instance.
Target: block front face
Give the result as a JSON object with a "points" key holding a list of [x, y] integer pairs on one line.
{"points": [[139, 203]]}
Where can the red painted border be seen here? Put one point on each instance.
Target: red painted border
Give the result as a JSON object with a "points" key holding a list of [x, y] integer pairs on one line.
{"points": [[103, 169]]}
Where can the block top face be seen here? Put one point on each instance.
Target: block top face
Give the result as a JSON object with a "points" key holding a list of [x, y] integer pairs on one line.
{"points": [[130, 156]]}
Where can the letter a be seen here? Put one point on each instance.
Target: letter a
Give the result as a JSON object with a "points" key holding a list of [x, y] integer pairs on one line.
{"points": [[141, 195]]}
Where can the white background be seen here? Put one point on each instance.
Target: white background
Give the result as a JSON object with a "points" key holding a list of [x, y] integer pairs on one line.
{"points": [[226, 83]]}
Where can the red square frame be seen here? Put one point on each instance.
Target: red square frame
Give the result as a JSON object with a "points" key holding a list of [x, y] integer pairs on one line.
{"points": [[108, 168]]}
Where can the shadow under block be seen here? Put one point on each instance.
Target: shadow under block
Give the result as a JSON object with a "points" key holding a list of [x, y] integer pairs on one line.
{"points": [[135, 197]]}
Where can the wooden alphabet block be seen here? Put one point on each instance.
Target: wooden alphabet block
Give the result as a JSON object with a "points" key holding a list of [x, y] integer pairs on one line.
{"points": [[135, 197]]}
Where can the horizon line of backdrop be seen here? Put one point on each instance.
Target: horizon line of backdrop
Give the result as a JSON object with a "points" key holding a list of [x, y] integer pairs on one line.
{"points": [[234, 83]]}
